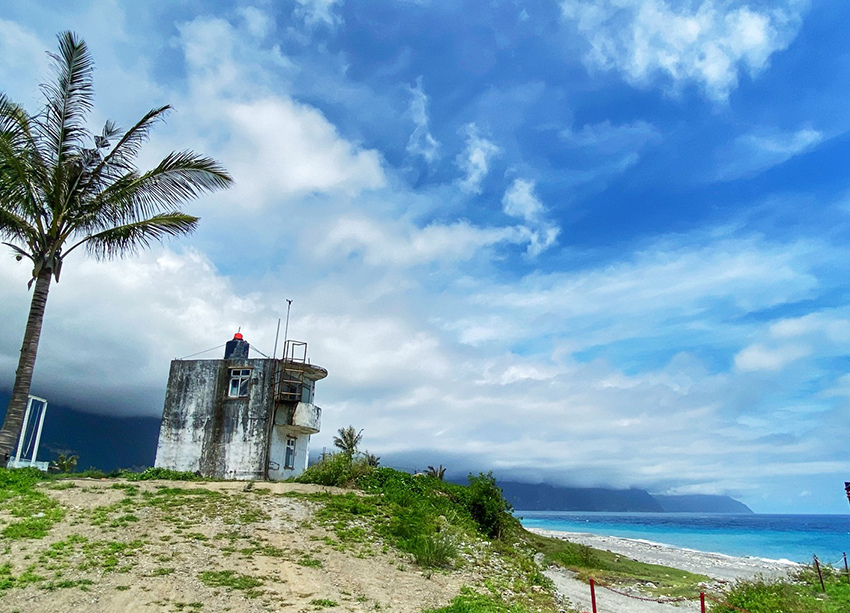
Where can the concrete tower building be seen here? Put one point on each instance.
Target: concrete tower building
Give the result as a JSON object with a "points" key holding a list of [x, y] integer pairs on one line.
{"points": [[240, 417]]}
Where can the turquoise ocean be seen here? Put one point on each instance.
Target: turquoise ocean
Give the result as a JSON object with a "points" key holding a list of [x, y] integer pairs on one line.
{"points": [[775, 537]]}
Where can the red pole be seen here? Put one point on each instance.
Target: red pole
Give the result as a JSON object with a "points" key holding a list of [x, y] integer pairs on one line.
{"points": [[702, 602], [820, 576], [593, 595]]}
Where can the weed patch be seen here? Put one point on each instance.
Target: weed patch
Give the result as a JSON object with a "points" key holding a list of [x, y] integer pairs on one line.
{"points": [[35, 511], [229, 579], [470, 602], [323, 603]]}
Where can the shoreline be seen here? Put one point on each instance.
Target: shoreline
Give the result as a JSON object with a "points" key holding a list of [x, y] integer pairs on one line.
{"points": [[718, 566]]}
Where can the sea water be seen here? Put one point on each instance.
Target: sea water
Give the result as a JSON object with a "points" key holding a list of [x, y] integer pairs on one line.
{"points": [[776, 537]]}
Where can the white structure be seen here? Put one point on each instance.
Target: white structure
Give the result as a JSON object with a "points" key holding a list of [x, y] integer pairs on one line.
{"points": [[240, 417], [30, 437]]}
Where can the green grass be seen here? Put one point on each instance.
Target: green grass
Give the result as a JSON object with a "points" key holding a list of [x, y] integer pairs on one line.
{"points": [[470, 602], [164, 474], [34, 511], [801, 595], [309, 562], [229, 579], [323, 603]]}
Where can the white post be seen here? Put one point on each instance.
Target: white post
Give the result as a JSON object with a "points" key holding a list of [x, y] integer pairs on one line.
{"points": [[40, 426], [286, 329], [24, 430]]}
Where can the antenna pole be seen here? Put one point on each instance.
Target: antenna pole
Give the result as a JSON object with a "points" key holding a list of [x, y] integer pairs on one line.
{"points": [[276, 335], [286, 330]]}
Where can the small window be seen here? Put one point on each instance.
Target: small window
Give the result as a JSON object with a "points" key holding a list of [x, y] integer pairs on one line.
{"points": [[239, 378], [289, 460], [306, 393]]}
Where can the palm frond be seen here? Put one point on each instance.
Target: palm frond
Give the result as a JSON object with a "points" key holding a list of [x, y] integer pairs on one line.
{"points": [[16, 228], [179, 177], [68, 100], [129, 238], [22, 170], [119, 160]]}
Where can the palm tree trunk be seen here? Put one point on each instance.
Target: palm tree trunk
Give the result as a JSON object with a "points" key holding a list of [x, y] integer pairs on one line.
{"points": [[23, 376]]}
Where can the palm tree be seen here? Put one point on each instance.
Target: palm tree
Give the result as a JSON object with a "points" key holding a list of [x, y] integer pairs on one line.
{"points": [[371, 459], [437, 473], [62, 187], [348, 440]]}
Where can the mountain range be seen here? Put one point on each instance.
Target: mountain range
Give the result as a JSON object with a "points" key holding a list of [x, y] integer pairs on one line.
{"points": [[545, 497]]}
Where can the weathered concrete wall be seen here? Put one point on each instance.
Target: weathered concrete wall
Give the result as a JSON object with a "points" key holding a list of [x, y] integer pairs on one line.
{"points": [[205, 430]]}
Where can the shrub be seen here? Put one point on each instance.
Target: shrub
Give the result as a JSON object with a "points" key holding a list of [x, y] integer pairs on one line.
{"points": [[433, 550], [488, 508], [336, 469], [65, 463]]}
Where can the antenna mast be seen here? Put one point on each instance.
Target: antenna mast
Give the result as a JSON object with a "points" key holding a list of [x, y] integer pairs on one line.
{"points": [[286, 329]]}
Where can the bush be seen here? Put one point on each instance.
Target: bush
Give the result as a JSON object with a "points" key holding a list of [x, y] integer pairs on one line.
{"points": [[488, 508], [433, 550], [336, 469]]}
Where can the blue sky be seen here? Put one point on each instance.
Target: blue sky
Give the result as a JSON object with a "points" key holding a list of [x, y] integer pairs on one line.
{"points": [[593, 243]]}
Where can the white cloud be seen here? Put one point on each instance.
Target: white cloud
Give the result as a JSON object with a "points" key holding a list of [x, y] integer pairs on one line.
{"points": [[421, 141], [785, 341], [276, 148], [708, 42], [609, 139], [381, 243], [475, 160], [521, 202], [315, 12], [283, 149], [759, 357], [762, 149], [259, 24]]}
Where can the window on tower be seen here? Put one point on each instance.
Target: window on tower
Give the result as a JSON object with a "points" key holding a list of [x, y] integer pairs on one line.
{"points": [[239, 378], [289, 459]]}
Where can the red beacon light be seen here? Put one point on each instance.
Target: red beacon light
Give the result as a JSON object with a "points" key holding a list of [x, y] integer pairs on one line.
{"points": [[237, 337]]}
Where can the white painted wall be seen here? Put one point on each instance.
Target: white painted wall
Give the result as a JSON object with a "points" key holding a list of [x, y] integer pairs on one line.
{"points": [[277, 453]]}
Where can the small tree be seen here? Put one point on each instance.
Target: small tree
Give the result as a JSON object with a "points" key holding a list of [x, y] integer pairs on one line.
{"points": [[437, 473], [65, 463], [348, 440], [371, 459]]}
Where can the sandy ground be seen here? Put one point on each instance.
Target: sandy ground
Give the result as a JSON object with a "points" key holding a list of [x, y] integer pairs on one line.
{"points": [[163, 575], [722, 568]]}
